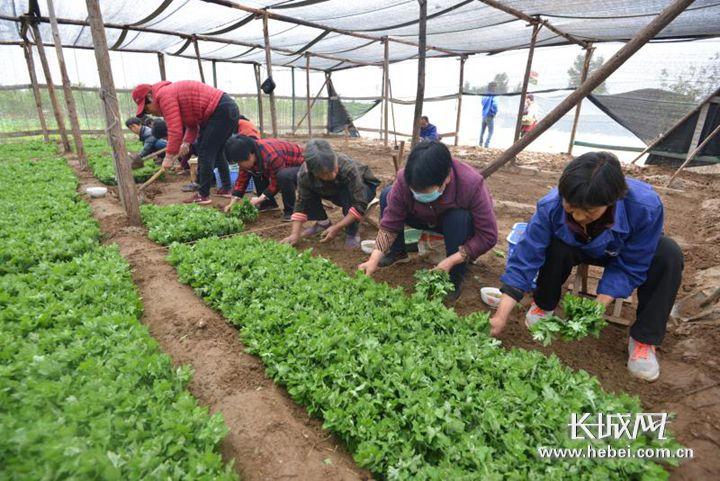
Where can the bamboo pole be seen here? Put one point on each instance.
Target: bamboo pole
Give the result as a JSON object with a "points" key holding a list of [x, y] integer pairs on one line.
{"points": [[292, 75], [680, 121], [67, 90], [595, 79], [214, 72], [420, 94], [460, 98], [386, 89], [199, 60], [126, 183], [268, 66], [526, 79], [307, 114], [57, 110], [328, 83], [27, 50], [693, 153], [308, 111], [583, 76], [261, 116], [161, 66]]}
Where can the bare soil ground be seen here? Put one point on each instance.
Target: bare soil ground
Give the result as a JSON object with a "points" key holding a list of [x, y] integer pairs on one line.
{"points": [[272, 438]]}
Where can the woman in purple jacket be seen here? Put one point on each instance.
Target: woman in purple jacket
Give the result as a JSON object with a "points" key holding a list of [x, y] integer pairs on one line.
{"points": [[435, 192]]}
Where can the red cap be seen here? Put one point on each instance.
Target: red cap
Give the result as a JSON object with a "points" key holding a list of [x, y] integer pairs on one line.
{"points": [[139, 94]]}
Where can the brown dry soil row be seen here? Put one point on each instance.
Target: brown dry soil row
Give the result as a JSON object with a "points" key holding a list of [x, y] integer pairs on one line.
{"points": [[688, 356], [271, 437]]}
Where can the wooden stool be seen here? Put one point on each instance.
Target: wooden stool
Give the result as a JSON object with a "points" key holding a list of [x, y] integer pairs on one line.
{"points": [[581, 279]]}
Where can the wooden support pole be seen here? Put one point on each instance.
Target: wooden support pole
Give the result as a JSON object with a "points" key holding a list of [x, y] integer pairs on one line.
{"points": [[57, 110], [526, 79], [583, 76], [268, 66], [420, 94], [460, 98], [161, 65], [592, 82], [214, 70], [261, 116], [386, 90], [328, 82], [126, 183], [27, 50], [199, 59], [680, 121], [67, 90], [691, 155], [308, 111], [292, 76]]}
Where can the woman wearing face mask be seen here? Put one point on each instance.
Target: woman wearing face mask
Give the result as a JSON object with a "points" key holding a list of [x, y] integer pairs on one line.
{"points": [[435, 192], [598, 216]]}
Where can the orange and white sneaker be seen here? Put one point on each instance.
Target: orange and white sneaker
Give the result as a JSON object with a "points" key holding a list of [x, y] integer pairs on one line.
{"points": [[642, 361], [534, 314]]}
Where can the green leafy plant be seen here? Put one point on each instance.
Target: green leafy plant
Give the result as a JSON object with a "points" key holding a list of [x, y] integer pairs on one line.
{"points": [[415, 391], [85, 391], [432, 284], [245, 211], [100, 160], [584, 318], [186, 222]]}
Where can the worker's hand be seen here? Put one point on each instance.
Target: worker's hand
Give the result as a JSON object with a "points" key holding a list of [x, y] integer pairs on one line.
{"points": [[446, 264], [184, 149], [291, 239], [168, 161], [604, 299], [256, 201], [497, 324], [228, 207], [371, 265], [329, 234]]}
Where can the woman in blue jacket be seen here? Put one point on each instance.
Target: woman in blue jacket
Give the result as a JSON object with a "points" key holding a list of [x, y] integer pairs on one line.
{"points": [[597, 216]]}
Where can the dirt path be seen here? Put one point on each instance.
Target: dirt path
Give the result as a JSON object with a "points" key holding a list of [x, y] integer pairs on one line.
{"points": [[271, 438], [688, 385]]}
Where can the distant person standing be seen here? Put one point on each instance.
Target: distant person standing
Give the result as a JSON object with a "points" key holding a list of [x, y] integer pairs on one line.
{"points": [[489, 110], [428, 132], [530, 115]]}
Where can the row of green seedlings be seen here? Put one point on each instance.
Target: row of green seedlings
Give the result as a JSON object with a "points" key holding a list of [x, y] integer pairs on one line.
{"points": [[100, 160], [85, 392], [189, 222], [414, 390]]}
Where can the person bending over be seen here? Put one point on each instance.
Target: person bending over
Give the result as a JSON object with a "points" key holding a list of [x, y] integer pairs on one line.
{"points": [[273, 165], [151, 143], [338, 178], [438, 193], [598, 216], [193, 111], [428, 132]]}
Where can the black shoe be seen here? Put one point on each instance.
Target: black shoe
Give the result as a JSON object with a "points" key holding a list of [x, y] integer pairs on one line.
{"points": [[392, 258], [268, 205], [454, 295], [287, 218]]}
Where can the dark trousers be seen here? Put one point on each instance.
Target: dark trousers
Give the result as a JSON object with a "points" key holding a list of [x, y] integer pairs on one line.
{"points": [[456, 226], [316, 211], [287, 183], [211, 145], [655, 297]]}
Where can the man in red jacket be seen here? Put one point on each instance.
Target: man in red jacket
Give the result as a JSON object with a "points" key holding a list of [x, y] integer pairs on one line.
{"points": [[205, 114], [273, 165]]}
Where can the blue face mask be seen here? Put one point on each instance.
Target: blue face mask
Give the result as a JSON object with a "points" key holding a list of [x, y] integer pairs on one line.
{"points": [[427, 198]]}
